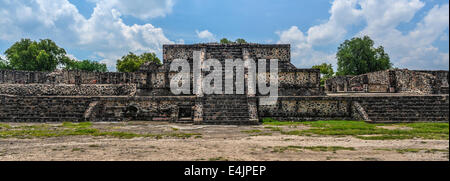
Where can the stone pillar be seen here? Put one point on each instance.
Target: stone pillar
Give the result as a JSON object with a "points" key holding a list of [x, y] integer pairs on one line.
{"points": [[198, 108], [251, 91], [253, 109]]}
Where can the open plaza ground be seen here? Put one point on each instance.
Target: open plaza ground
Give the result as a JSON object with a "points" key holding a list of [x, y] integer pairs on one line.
{"points": [[272, 140]]}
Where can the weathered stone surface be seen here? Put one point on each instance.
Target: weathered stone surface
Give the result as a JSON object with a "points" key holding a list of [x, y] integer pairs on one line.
{"points": [[145, 95]]}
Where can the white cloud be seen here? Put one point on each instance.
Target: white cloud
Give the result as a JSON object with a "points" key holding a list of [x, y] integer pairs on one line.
{"points": [[206, 35], [412, 49], [104, 33], [343, 13]]}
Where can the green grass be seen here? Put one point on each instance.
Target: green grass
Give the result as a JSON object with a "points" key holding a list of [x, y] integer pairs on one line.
{"points": [[366, 131], [252, 131], [74, 129], [218, 159]]}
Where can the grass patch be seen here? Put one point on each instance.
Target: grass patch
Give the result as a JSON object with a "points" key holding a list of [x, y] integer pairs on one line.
{"points": [[74, 129], [252, 131], [273, 128], [5, 126], [218, 159], [367, 131]]}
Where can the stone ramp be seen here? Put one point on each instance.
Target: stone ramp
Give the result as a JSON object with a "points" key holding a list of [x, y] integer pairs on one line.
{"points": [[404, 109], [226, 109]]}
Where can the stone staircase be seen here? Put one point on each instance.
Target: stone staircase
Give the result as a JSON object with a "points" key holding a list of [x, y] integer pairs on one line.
{"points": [[407, 109], [226, 109]]}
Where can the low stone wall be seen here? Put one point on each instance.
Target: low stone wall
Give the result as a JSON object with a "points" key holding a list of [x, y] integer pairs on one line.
{"points": [[392, 81], [70, 77], [91, 108], [309, 108], [432, 108], [68, 89]]}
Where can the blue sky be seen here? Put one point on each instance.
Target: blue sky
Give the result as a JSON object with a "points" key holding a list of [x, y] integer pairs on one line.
{"points": [[415, 33]]}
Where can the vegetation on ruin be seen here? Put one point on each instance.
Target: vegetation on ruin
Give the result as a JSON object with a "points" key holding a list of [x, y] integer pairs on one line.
{"points": [[131, 62], [77, 129], [86, 65], [44, 55], [363, 130], [359, 56], [226, 41], [326, 72]]}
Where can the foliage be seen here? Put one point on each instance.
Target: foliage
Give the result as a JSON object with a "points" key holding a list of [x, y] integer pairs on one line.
{"points": [[226, 41], [86, 65], [326, 71], [240, 40], [30, 55], [358, 56], [131, 62], [4, 64]]}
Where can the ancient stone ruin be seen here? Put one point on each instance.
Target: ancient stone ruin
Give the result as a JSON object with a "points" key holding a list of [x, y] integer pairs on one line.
{"points": [[386, 96]]}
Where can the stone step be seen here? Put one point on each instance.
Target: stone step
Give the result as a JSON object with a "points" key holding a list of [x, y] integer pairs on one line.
{"points": [[419, 107], [403, 119], [230, 122], [423, 115], [408, 111]]}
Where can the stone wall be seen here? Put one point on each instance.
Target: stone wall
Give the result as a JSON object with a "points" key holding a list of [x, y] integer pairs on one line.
{"points": [[392, 81], [338, 84], [309, 108], [292, 81], [91, 108], [68, 89], [70, 77]]}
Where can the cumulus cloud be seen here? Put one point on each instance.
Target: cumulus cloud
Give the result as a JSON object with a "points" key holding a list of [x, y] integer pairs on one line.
{"points": [[206, 35], [104, 33], [412, 49]]}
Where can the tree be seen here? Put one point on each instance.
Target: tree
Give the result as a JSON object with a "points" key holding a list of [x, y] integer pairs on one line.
{"points": [[225, 41], [131, 62], [30, 55], [86, 65], [358, 56], [326, 71], [240, 40], [4, 64]]}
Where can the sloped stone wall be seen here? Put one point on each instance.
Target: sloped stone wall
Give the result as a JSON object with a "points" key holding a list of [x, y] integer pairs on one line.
{"points": [[68, 89]]}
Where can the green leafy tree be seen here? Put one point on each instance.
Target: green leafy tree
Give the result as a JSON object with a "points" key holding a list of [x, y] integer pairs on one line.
{"points": [[4, 64], [225, 41], [240, 40], [86, 65], [358, 56], [30, 55], [326, 71], [131, 62]]}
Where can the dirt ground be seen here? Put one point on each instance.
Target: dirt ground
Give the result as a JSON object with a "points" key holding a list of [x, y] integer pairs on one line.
{"points": [[216, 142]]}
